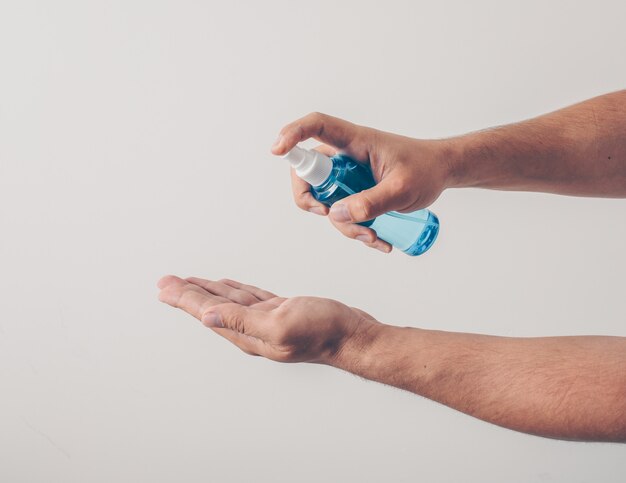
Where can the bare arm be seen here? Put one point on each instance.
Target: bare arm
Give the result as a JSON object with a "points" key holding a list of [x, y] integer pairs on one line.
{"points": [[559, 387], [579, 150]]}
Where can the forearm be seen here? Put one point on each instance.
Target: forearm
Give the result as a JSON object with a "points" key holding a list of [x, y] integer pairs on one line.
{"points": [[579, 150], [561, 387]]}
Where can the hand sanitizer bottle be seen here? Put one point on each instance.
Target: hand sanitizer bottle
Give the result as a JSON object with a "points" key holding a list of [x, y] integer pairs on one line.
{"points": [[332, 179]]}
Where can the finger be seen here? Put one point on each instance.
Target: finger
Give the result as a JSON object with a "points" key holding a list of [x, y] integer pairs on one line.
{"points": [[302, 190], [388, 195], [327, 129], [241, 319], [363, 313], [270, 304], [380, 245], [169, 280], [250, 345], [190, 298], [326, 149], [232, 294], [356, 232], [256, 291], [303, 197], [363, 234]]}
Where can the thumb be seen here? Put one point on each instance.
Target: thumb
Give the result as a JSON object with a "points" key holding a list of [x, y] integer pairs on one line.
{"points": [[368, 204], [235, 317]]}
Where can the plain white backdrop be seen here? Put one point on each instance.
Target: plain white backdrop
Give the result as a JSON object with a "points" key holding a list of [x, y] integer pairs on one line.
{"points": [[134, 142]]}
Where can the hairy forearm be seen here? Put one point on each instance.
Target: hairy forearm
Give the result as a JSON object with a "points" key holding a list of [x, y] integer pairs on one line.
{"points": [[579, 150], [560, 387]]}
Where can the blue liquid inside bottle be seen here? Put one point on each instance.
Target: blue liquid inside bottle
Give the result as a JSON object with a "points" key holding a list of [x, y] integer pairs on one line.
{"points": [[413, 233]]}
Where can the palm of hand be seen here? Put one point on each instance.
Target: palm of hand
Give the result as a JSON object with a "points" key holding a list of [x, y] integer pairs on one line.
{"points": [[296, 329]]}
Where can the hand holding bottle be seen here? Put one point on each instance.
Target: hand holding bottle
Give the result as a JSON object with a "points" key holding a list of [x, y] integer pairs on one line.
{"points": [[410, 173]]}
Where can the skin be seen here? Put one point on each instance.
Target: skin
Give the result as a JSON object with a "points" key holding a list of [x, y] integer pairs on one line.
{"points": [[578, 151], [559, 387]]}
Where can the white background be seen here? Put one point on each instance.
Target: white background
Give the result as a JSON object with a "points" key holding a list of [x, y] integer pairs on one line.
{"points": [[134, 142]]}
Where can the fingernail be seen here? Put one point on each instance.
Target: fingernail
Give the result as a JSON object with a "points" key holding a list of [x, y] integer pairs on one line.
{"points": [[279, 139], [363, 238], [318, 210], [212, 319], [382, 248], [339, 212]]}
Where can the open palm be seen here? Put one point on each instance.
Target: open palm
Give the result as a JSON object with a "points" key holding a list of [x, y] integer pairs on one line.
{"points": [[298, 329]]}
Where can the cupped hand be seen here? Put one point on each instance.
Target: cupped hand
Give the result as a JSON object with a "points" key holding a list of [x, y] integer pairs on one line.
{"points": [[298, 329], [411, 173]]}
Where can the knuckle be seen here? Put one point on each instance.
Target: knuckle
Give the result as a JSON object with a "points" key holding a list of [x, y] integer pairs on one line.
{"points": [[352, 232], [169, 296], [168, 280], [344, 228], [235, 322], [182, 297], [315, 116], [364, 236], [363, 208], [318, 121], [357, 231], [247, 298], [301, 201], [398, 185]]}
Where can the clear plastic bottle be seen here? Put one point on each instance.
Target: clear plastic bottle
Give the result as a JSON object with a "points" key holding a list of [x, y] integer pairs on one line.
{"points": [[332, 179]]}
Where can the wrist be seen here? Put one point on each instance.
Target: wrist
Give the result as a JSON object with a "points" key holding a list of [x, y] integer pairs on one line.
{"points": [[405, 357], [455, 152], [473, 159], [356, 348], [483, 159], [378, 352]]}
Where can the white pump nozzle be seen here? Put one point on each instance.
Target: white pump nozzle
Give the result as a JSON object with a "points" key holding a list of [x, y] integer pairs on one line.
{"points": [[312, 166]]}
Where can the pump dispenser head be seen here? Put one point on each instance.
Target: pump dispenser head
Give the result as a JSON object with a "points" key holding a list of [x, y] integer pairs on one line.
{"points": [[312, 166]]}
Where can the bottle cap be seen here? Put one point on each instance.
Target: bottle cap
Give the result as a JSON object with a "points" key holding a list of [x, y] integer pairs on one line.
{"points": [[310, 165]]}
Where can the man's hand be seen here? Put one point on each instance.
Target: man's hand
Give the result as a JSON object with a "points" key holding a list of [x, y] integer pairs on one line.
{"points": [[411, 173], [560, 387], [299, 329], [579, 150]]}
